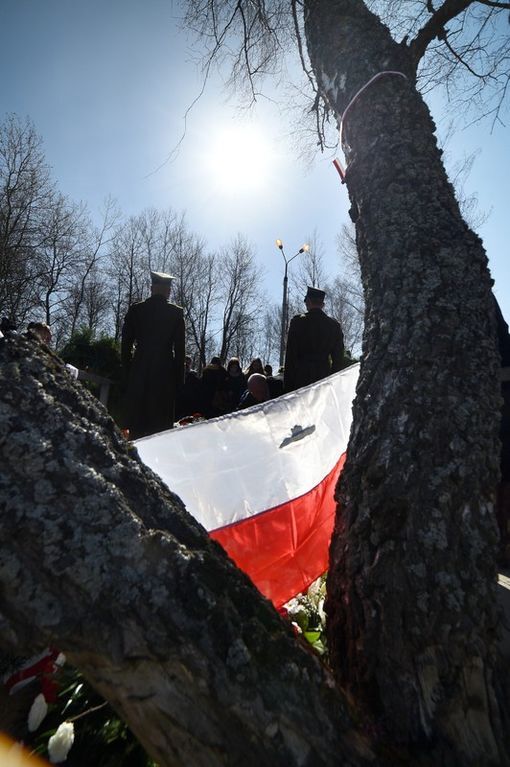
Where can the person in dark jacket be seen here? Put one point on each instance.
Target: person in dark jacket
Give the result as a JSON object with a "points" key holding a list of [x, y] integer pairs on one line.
{"points": [[152, 354], [315, 344], [191, 399], [275, 383], [257, 392], [214, 378], [235, 384], [255, 366]]}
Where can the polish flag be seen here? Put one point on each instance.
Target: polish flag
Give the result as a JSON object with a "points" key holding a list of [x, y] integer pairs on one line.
{"points": [[261, 480]]}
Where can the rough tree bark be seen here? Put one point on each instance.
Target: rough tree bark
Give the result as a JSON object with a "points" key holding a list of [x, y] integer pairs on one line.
{"points": [[411, 590], [100, 559]]}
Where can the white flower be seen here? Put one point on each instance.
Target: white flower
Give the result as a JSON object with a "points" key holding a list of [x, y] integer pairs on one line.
{"points": [[294, 606], [320, 610], [314, 589], [60, 743], [38, 711]]}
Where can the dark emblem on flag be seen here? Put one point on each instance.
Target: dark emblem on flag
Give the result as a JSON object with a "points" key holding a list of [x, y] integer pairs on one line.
{"points": [[296, 433]]}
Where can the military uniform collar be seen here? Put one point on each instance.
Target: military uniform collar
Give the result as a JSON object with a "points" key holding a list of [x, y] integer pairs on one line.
{"points": [[158, 297]]}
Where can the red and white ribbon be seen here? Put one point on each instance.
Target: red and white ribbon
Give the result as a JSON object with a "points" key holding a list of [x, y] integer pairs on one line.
{"points": [[372, 80]]}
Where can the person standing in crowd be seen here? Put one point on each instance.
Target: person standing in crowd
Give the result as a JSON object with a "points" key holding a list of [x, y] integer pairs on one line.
{"points": [[274, 383], [315, 344], [214, 378], [190, 402], [154, 371], [255, 366], [235, 382]]}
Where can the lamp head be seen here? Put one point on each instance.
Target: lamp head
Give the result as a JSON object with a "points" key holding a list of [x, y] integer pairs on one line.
{"points": [[279, 244], [304, 248]]}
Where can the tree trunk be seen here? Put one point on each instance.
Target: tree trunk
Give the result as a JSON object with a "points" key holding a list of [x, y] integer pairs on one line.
{"points": [[100, 559], [411, 590]]}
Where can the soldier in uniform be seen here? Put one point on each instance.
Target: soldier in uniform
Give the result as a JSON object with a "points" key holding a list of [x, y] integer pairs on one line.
{"points": [[315, 344], [154, 373]]}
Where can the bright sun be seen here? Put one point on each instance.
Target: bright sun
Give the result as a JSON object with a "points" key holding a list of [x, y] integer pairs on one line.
{"points": [[239, 159]]}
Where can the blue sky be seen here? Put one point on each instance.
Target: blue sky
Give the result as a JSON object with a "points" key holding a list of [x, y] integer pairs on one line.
{"points": [[107, 82]]}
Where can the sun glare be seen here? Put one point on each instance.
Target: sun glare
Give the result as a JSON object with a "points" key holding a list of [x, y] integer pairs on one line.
{"points": [[239, 159]]}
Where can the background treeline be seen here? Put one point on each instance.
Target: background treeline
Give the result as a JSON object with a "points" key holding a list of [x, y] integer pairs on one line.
{"points": [[79, 273]]}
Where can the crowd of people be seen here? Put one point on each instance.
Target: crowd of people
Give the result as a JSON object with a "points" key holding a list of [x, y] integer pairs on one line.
{"points": [[162, 387], [222, 389]]}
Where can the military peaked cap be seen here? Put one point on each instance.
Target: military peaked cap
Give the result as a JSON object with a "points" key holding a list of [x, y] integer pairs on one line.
{"points": [[314, 294], [160, 278]]}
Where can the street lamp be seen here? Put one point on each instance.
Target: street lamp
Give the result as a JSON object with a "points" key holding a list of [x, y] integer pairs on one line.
{"points": [[285, 299]]}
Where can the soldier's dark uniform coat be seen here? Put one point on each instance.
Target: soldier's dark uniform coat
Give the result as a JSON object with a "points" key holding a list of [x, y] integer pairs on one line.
{"points": [[315, 347], [155, 328]]}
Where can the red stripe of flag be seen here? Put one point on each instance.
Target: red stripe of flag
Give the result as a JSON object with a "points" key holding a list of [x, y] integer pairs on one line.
{"points": [[286, 548]]}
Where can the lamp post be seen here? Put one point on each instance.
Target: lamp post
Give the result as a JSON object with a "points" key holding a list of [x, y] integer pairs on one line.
{"points": [[285, 297]]}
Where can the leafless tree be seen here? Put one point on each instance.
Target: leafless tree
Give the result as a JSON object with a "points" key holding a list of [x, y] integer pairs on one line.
{"points": [[249, 342], [58, 258], [239, 281], [88, 294], [169, 224], [96, 304], [26, 193], [398, 553], [270, 334], [195, 289], [127, 269], [348, 304], [462, 47], [459, 170], [157, 233], [310, 269]]}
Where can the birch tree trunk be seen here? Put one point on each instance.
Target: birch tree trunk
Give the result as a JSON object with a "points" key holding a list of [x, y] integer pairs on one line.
{"points": [[411, 590], [100, 559]]}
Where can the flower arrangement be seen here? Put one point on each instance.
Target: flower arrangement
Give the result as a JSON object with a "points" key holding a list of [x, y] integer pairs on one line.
{"points": [[81, 729], [76, 726], [306, 613]]}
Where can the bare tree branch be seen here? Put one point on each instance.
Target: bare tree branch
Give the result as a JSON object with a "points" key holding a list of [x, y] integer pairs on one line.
{"points": [[435, 26], [505, 6]]}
